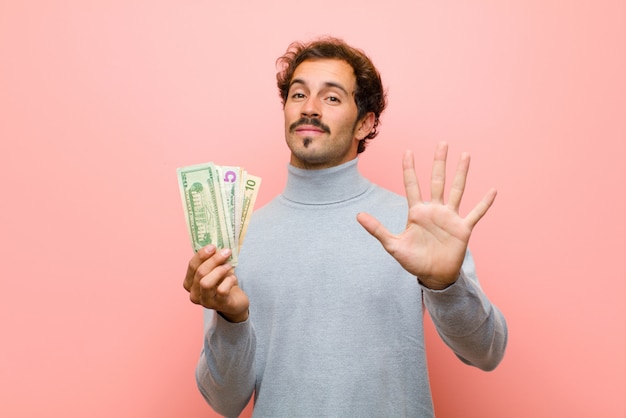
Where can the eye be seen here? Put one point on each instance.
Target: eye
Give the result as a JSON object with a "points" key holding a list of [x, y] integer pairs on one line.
{"points": [[333, 99], [297, 96]]}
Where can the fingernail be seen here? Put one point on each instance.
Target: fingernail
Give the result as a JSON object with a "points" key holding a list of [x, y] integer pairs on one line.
{"points": [[225, 252]]}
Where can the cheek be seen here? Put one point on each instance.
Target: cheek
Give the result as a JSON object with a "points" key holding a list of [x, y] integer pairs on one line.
{"points": [[290, 114], [343, 126], [287, 119]]}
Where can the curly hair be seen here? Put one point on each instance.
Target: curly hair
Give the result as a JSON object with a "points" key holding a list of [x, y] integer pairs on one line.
{"points": [[369, 95]]}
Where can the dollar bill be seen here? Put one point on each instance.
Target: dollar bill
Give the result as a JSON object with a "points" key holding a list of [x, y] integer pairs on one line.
{"points": [[250, 190], [228, 182], [201, 207], [223, 216], [218, 202]]}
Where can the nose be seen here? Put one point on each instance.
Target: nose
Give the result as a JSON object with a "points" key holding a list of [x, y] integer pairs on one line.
{"points": [[311, 108]]}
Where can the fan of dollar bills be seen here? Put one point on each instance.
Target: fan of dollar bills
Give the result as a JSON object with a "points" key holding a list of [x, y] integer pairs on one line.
{"points": [[218, 202]]}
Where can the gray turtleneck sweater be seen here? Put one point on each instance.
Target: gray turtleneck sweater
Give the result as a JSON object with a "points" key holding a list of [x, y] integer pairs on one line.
{"points": [[336, 324]]}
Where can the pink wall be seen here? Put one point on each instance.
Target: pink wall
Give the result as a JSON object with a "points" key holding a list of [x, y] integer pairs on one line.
{"points": [[101, 101]]}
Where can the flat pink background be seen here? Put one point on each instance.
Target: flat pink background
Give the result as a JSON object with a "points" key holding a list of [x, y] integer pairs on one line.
{"points": [[101, 101]]}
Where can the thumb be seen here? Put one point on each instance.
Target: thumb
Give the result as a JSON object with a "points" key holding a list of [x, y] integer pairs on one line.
{"points": [[374, 227]]}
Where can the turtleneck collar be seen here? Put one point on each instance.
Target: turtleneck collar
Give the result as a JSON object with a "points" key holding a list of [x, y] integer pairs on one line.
{"points": [[325, 186]]}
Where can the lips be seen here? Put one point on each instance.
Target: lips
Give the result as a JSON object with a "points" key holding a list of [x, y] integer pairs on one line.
{"points": [[309, 126], [307, 129]]}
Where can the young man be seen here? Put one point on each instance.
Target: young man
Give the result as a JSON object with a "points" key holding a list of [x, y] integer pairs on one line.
{"points": [[319, 318]]}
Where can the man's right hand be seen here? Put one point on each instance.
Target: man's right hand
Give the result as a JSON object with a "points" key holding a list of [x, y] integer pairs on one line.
{"points": [[211, 282]]}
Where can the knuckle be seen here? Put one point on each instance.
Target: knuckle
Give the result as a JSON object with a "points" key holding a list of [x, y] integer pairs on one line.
{"points": [[202, 271], [194, 298], [233, 280], [224, 288], [194, 263]]}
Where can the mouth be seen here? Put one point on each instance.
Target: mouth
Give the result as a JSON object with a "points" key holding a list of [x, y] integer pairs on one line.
{"points": [[309, 130], [305, 126]]}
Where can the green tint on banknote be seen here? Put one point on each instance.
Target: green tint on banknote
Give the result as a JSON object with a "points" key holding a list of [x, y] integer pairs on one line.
{"points": [[218, 202]]}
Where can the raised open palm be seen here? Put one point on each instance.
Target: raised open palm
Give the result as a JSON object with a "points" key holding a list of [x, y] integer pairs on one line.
{"points": [[433, 245]]}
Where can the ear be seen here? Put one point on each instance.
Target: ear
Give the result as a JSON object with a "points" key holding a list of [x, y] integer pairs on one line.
{"points": [[364, 126]]}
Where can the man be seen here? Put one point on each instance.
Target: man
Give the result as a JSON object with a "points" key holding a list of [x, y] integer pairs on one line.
{"points": [[320, 319]]}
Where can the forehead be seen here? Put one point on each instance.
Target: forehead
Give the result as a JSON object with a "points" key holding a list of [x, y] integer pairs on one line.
{"points": [[325, 71]]}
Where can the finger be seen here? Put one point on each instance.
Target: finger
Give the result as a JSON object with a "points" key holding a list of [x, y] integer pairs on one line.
{"points": [[375, 228], [211, 282], [438, 175], [200, 257], [411, 185], [481, 208], [205, 290], [458, 184], [224, 288], [209, 273], [218, 258]]}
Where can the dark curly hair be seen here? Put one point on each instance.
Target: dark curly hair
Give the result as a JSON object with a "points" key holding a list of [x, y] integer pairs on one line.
{"points": [[369, 95]]}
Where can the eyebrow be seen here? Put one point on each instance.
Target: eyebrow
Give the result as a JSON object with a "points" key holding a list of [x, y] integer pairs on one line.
{"points": [[327, 84]]}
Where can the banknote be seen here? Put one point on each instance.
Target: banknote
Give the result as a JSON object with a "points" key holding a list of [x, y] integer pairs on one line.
{"points": [[229, 178], [201, 207], [223, 217], [218, 202], [251, 185]]}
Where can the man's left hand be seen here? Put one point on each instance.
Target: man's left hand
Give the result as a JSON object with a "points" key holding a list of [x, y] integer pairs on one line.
{"points": [[433, 245]]}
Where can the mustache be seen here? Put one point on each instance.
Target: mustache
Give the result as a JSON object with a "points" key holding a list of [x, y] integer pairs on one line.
{"points": [[309, 121]]}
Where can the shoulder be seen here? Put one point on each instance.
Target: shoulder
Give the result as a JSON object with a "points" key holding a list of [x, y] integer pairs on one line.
{"points": [[268, 215], [388, 207], [384, 198]]}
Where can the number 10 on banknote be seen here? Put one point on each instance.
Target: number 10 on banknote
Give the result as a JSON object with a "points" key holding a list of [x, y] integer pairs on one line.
{"points": [[218, 202]]}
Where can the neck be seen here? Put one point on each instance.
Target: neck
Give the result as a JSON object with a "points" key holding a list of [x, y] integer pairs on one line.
{"points": [[325, 186]]}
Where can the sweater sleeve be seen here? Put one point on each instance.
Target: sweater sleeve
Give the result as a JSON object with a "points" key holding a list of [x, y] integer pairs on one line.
{"points": [[467, 321], [225, 372]]}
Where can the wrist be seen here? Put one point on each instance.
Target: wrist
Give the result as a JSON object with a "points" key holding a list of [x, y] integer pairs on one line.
{"points": [[434, 284], [235, 318]]}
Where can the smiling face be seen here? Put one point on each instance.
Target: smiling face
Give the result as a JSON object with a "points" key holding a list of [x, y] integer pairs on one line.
{"points": [[321, 127]]}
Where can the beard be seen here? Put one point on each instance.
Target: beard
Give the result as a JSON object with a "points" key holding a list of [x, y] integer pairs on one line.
{"points": [[311, 122], [319, 151]]}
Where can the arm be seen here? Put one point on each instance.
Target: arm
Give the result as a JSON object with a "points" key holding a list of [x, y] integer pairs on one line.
{"points": [[433, 248], [225, 373], [467, 321]]}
